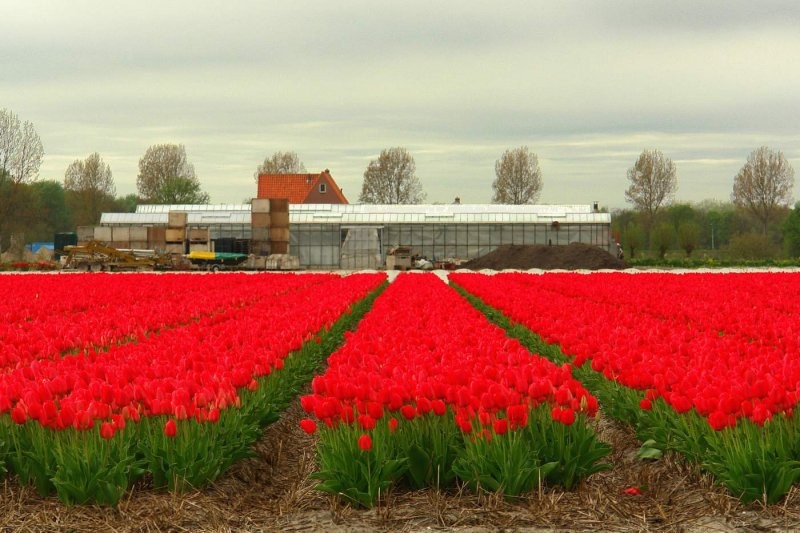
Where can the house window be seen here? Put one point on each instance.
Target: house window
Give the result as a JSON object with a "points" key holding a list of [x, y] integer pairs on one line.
{"points": [[322, 188]]}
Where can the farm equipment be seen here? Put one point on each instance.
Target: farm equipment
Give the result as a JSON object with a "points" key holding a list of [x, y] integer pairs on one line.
{"points": [[215, 260], [95, 256]]}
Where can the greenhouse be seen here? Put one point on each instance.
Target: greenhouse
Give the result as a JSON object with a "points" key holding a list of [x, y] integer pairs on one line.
{"points": [[360, 236]]}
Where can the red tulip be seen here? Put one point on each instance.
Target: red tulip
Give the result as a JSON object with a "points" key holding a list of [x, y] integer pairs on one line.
{"points": [[366, 422], [308, 425], [18, 415], [107, 430], [365, 442], [408, 412], [170, 429]]}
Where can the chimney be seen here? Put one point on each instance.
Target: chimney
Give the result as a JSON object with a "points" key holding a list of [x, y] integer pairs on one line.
{"points": [[457, 201]]}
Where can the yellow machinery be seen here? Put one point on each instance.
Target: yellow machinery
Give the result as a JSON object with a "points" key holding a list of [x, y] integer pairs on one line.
{"points": [[96, 255]]}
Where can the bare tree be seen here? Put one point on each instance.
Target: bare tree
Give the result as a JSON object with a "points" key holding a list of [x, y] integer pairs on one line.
{"points": [[281, 163], [391, 179], [764, 184], [653, 184], [166, 177], [519, 178], [21, 151], [90, 188]]}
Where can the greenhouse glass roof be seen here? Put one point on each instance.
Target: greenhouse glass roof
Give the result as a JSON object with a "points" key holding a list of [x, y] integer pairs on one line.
{"points": [[368, 214]]}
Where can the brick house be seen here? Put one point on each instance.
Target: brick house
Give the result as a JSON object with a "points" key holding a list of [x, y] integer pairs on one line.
{"points": [[301, 188]]}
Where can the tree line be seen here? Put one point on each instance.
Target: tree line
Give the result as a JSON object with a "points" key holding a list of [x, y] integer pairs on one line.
{"points": [[759, 212], [758, 222]]}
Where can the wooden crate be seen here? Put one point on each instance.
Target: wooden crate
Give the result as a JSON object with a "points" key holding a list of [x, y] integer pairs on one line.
{"points": [[260, 205], [198, 235], [157, 233], [279, 247], [102, 233], [259, 234], [175, 234], [260, 220], [177, 219], [279, 234], [85, 233], [279, 219], [138, 233], [278, 205], [174, 248], [121, 234]]}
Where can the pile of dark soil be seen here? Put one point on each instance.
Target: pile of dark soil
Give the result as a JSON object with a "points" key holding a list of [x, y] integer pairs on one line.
{"points": [[575, 256]]}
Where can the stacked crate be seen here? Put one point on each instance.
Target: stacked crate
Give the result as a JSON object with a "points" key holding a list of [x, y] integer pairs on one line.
{"points": [[85, 234], [198, 240], [102, 234], [259, 226], [175, 235], [279, 225], [157, 238], [138, 237], [121, 237]]}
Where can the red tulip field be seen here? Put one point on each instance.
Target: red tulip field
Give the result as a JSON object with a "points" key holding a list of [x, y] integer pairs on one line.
{"points": [[704, 364], [173, 375], [491, 384]]}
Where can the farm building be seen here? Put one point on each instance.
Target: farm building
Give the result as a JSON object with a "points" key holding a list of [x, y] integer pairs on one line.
{"points": [[361, 236]]}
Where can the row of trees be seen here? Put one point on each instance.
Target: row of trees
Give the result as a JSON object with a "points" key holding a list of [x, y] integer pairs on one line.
{"points": [[719, 229], [762, 187], [392, 179], [39, 208], [760, 201]]}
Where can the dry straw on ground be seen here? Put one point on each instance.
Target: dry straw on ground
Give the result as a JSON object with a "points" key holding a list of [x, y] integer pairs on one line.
{"points": [[273, 492]]}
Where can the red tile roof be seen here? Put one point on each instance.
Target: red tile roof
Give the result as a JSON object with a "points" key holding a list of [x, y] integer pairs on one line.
{"points": [[296, 187]]}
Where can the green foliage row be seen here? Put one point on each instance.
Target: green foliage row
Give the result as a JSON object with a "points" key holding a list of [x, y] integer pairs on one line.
{"points": [[432, 451], [82, 467], [753, 462]]}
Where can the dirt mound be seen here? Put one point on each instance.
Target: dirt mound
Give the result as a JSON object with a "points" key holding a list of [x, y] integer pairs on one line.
{"points": [[575, 256]]}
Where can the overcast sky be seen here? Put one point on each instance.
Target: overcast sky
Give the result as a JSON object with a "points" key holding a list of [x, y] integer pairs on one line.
{"points": [[585, 85]]}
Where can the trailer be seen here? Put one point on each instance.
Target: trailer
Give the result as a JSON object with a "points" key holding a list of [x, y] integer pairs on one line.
{"points": [[215, 261]]}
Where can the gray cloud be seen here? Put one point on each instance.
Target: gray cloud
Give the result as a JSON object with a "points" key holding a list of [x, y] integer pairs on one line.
{"points": [[586, 85]]}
